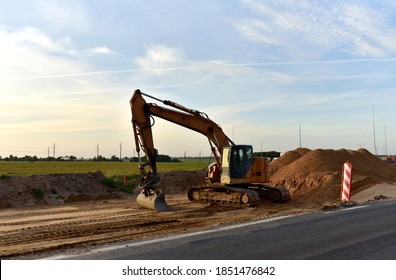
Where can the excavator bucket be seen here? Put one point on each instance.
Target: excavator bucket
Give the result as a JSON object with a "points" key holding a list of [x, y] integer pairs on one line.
{"points": [[155, 201]]}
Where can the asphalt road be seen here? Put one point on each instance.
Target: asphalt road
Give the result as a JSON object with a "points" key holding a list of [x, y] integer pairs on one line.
{"points": [[356, 233]]}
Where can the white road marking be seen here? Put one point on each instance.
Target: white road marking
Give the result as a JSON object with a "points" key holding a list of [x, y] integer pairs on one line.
{"points": [[346, 209]]}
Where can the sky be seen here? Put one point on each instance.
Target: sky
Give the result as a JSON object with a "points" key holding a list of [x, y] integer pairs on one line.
{"points": [[274, 74]]}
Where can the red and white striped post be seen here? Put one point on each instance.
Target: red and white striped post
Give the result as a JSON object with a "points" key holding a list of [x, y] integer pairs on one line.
{"points": [[346, 182]]}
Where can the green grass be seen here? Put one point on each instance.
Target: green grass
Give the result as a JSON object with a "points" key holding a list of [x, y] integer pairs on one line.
{"points": [[109, 169], [117, 182]]}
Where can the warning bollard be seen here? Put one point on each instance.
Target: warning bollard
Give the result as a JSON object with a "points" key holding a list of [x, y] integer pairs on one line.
{"points": [[346, 182]]}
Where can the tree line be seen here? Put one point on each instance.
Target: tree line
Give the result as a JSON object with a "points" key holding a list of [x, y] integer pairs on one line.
{"points": [[113, 158]]}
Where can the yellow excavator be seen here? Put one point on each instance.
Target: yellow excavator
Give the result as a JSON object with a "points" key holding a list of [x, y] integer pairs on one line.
{"points": [[236, 176]]}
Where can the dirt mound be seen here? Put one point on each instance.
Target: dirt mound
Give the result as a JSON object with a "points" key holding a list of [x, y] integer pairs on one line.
{"points": [[180, 181], [18, 191], [288, 158], [315, 175]]}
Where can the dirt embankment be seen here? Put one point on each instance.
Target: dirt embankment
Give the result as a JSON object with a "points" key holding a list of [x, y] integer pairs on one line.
{"points": [[56, 189], [32, 190]]}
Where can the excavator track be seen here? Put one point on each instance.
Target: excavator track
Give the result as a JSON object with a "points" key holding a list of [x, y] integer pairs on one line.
{"points": [[224, 195], [248, 195], [274, 194]]}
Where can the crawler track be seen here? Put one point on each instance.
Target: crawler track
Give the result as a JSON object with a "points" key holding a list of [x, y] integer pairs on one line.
{"points": [[248, 195], [224, 195]]}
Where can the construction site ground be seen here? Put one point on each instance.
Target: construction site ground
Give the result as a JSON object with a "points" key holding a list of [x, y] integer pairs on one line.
{"points": [[74, 213]]}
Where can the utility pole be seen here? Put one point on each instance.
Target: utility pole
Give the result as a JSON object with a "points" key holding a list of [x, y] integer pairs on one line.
{"points": [[53, 152], [386, 143], [120, 151], [97, 152], [375, 144], [299, 133]]}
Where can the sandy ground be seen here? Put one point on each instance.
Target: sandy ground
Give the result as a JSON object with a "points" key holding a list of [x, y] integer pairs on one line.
{"points": [[45, 230], [386, 190]]}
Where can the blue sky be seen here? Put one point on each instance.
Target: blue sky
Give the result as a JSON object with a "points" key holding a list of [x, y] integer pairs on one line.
{"points": [[260, 69]]}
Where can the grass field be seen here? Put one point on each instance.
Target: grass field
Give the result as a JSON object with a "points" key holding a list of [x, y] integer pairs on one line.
{"points": [[109, 169]]}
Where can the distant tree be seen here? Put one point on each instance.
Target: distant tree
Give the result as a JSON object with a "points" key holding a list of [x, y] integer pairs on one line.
{"points": [[114, 158], [160, 158], [99, 158], [72, 158], [164, 158], [26, 158]]}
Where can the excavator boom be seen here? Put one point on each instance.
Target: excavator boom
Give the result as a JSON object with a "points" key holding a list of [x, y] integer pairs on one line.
{"points": [[195, 120], [142, 122]]}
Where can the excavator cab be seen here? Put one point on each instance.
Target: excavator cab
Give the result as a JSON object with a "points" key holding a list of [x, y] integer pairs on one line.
{"points": [[239, 166], [241, 160]]}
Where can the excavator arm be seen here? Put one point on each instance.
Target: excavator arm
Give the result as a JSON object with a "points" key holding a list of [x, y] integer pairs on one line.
{"points": [[142, 122]]}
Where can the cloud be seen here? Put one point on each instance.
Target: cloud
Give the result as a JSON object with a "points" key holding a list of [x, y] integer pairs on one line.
{"points": [[64, 15], [170, 62], [30, 51], [160, 58], [259, 31], [373, 34], [312, 28], [37, 39], [101, 50]]}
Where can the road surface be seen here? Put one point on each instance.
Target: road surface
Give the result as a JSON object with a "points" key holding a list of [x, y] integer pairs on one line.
{"points": [[360, 232]]}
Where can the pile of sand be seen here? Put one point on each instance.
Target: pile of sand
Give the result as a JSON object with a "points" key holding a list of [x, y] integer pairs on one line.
{"points": [[315, 175]]}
